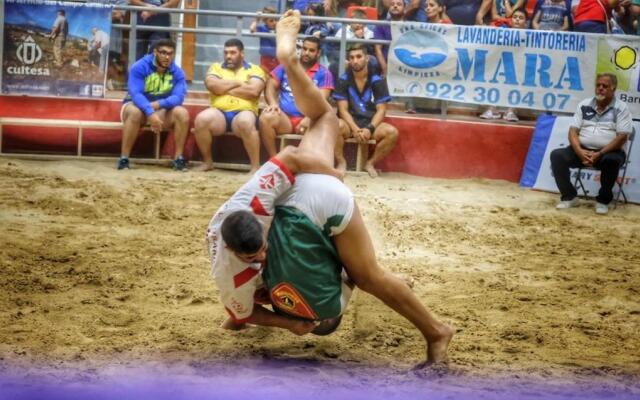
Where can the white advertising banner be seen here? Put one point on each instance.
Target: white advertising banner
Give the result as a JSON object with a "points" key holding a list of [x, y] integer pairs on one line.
{"points": [[518, 68]]}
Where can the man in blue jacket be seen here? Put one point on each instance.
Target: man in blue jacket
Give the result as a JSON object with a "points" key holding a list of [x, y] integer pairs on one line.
{"points": [[156, 91]]}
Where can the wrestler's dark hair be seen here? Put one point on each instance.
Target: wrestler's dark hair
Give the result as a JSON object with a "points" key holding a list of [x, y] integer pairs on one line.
{"points": [[242, 232], [234, 43], [61, 11], [313, 39], [164, 43]]}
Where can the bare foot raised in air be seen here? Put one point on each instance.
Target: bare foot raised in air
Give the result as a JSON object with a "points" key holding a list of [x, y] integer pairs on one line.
{"points": [[287, 30]]}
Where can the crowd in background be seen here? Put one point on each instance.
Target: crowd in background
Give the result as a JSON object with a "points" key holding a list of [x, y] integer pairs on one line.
{"points": [[594, 16]]}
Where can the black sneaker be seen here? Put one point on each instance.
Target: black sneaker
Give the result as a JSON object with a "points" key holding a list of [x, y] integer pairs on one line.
{"points": [[123, 163], [180, 164]]}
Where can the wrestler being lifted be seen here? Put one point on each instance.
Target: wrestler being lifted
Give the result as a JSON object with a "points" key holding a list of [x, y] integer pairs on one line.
{"points": [[237, 233]]}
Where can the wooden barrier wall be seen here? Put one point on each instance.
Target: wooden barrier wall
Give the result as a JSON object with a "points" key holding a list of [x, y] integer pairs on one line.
{"points": [[427, 146]]}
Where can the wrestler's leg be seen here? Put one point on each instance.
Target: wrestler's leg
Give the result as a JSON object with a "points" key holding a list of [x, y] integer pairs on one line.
{"points": [[322, 134], [358, 256], [309, 99]]}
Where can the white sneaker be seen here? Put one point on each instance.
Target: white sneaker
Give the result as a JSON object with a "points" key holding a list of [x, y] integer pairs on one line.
{"points": [[563, 205], [489, 114], [602, 209], [511, 116]]}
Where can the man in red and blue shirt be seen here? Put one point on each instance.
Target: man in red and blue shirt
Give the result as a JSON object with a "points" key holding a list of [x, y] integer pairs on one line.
{"points": [[282, 116]]}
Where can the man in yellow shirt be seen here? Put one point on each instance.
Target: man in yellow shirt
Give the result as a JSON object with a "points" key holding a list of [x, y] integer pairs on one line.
{"points": [[235, 88]]}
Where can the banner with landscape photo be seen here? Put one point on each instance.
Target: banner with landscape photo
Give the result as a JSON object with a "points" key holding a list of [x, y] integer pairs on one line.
{"points": [[47, 48]]}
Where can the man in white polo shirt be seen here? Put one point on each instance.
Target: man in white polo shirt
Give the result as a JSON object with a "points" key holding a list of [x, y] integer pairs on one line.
{"points": [[598, 132]]}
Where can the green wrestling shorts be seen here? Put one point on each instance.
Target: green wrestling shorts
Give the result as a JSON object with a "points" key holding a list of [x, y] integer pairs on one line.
{"points": [[303, 272]]}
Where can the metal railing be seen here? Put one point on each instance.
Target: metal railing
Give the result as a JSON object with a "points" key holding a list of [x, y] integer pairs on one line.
{"points": [[239, 30]]}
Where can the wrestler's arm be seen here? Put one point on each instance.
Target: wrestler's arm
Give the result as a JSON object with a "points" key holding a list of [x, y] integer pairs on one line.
{"points": [[263, 317]]}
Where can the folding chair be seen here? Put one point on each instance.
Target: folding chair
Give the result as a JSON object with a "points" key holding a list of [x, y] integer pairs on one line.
{"points": [[621, 179]]}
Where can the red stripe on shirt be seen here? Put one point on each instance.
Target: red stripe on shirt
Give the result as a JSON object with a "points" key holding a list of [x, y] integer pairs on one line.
{"points": [[244, 276], [284, 169], [257, 207]]}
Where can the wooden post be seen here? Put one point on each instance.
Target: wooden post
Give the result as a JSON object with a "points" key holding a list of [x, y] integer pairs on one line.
{"points": [[189, 41], [79, 152]]}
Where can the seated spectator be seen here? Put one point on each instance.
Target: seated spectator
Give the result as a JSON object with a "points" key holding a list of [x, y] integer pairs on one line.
{"points": [[415, 10], [518, 21], [303, 5], [362, 98], [501, 11], [467, 12], [281, 115], [592, 16], [343, 5], [319, 29], [156, 91], [635, 13], [268, 59], [600, 128], [146, 39], [383, 32], [574, 7], [552, 15], [622, 21], [235, 87], [356, 30], [434, 11]]}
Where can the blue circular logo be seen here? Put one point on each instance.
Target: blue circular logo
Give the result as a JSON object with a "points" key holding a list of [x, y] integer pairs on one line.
{"points": [[421, 49]]}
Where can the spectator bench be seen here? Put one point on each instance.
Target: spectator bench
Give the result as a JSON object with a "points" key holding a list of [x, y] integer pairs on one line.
{"points": [[80, 126], [70, 123], [362, 153]]}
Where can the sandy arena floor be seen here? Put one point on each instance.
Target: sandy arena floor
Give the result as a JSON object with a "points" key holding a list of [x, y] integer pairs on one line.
{"points": [[105, 271]]}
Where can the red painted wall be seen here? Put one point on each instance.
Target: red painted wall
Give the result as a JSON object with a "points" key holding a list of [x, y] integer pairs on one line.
{"points": [[426, 147], [458, 149]]}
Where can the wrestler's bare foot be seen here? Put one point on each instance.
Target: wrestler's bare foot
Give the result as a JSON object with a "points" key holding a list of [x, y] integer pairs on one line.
{"points": [[371, 170], [203, 167], [341, 164], [437, 347], [287, 30], [253, 170]]}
